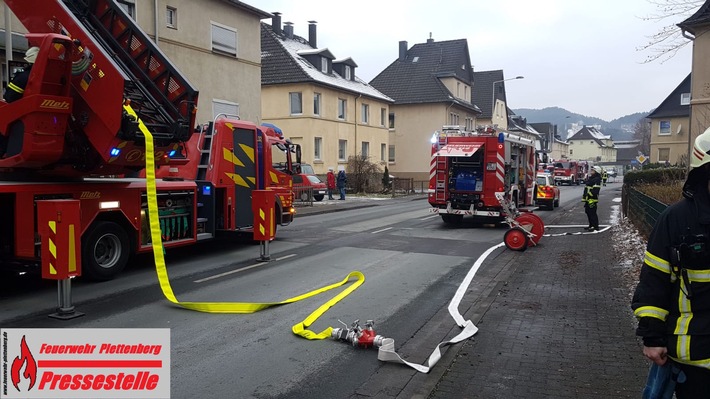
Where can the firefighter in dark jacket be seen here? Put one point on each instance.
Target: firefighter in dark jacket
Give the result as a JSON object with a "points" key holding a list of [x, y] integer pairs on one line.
{"points": [[16, 88], [672, 299], [590, 197]]}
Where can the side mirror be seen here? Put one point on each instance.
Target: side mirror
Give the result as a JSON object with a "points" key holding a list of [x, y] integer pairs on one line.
{"points": [[298, 153]]}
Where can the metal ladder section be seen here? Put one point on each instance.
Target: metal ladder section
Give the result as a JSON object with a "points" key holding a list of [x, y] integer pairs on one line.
{"points": [[441, 173], [205, 149], [160, 95]]}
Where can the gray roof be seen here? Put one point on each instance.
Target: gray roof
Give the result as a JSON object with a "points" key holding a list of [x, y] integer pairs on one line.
{"points": [[483, 90], [282, 62], [416, 78], [700, 18], [590, 133], [671, 107], [246, 7]]}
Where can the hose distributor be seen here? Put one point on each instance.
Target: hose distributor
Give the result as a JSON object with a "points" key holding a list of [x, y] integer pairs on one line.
{"points": [[358, 336]]}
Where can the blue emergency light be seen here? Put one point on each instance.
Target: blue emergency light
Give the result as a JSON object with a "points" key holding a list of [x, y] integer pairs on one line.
{"points": [[115, 151], [501, 137], [172, 153], [206, 190]]}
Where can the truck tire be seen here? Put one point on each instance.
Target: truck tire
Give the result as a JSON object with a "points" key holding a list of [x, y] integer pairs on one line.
{"points": [[451, 219], [318, 197], [104, 251]]}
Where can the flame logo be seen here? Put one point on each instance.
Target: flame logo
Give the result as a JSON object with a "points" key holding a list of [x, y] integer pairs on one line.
{"points": [[30, 364]]}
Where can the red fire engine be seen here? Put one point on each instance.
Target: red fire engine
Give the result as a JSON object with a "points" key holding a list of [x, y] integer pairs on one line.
{"points": [[74, 136], [567, 172], [468, 168]]}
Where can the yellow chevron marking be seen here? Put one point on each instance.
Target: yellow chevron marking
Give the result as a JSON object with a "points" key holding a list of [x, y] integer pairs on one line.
{"points": [[230, 157], [53, 226], [72, 250], [52, 248], [249, 151], [261, 229], [52, 269], [274, 178], [238, 180], [252, 180], [262, 215], [229, 125]]}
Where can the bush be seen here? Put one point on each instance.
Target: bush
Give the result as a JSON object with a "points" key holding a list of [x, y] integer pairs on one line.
{"points": [[667, 193], [655, 176]]}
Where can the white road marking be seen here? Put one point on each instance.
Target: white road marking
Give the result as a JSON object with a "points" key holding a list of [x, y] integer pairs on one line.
{"points": [[429, 217], [202, 280], [380, 231]]}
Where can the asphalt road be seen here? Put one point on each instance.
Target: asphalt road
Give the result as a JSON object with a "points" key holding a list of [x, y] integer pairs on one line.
{"points": [[413, 264]]}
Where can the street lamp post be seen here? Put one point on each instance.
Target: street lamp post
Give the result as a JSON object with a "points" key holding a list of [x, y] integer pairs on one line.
{"points": [[493, 97]]}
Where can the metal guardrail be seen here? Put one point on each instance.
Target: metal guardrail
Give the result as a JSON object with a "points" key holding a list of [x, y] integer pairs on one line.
{"points": [[642, 210], [303, 195]]}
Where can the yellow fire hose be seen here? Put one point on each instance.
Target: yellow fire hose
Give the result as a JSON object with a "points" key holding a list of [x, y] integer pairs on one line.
{"points": [[300, 329]]}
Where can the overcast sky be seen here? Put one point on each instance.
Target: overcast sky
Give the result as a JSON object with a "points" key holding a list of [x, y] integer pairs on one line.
{"points": [[579, 55]]}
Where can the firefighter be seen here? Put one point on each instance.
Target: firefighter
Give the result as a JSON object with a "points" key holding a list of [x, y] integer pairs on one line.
{"points": [[590, 197], [672, 299], [605, 176], [16, 88]]}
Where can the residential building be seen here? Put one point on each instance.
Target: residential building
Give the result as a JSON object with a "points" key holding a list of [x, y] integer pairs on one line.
{"points": [[489, 96], [431, 85], [214, 43], [627, 153], [589, 144], [318, 100], [560, 149], [547, 131], [697, 27], [670, 122], [520, 125]]}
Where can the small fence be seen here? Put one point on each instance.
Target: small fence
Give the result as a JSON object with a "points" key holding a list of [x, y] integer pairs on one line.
{"points": [[642, 210]]}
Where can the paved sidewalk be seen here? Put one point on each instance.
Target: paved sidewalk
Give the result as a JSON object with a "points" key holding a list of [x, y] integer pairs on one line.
{"points": [[561, 326]]}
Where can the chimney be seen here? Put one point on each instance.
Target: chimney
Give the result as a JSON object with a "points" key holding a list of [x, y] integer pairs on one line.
{"points": [[430, 39], [402, 50], [288, 29], [312, 38], [276, 23]]}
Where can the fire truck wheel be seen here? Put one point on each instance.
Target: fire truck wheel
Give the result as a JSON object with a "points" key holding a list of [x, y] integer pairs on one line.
{"points": [[318, 197], [516, 239], [452, 219], [304, 196], [104, 251]]}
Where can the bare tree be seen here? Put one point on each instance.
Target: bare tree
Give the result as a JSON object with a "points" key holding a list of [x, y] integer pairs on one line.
{"points": [[642, 132], [665, 43], [362, 174]]}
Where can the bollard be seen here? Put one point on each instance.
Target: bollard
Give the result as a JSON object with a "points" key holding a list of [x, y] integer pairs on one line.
{"points": [[65, 310]]}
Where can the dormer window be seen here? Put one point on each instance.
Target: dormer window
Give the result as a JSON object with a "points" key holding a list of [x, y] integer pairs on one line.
{"points": [[685, 99], [323, 64], [348, 72]]}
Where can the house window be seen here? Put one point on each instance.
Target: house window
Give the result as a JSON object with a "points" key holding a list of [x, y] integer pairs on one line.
{"points": [[391, 125], [664, 127], [391, 153], [570, 151], [225, 108], [342, 108], [348, 72], [365, 117], [224, 39], [316, 104], [454, 119], [664, 154], [171, 17], [317, 147], [342, 150], [296, 103], [465, 93], [685, 99], [323, 64], [129, 7], [365, 149], [383, 115], [383, 151], [458, 89]]}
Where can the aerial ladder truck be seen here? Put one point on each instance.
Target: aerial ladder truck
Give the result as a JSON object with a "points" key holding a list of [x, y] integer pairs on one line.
{"points": [[75, 136]]}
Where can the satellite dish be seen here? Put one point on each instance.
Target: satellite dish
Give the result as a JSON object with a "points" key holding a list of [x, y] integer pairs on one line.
{"points": [[677, 131]]}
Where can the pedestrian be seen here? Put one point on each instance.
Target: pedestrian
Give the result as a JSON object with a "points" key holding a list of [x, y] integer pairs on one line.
{"points": [[16, 88], [330, 178], [672, 299], [590, 197], [605, 177], [342, 182]]}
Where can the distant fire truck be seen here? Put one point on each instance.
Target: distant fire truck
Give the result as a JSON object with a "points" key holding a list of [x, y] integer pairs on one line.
{"points": [[469, 167]]}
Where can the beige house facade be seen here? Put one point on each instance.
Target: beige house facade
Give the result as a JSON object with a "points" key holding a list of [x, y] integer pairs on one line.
{"points": [[319, 102], [214, 43], [589, 144], [670, 123], [560, 150]]}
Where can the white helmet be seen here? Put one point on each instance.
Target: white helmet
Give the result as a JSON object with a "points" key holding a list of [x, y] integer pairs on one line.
{"points": [[31, 54], [701, 150], [597, 169]]}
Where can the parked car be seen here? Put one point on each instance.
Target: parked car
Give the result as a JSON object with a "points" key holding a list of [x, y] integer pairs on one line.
{"points": [[308, 187], [547, 193]]}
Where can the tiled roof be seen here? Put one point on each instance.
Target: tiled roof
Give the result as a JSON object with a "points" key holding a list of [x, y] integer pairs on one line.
{"points": [[416, 79], [701, 17], [244, 6], [281, 62], [590, 133], [483, 90], [671, 107]]}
